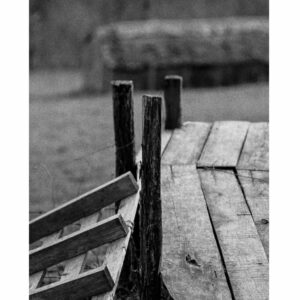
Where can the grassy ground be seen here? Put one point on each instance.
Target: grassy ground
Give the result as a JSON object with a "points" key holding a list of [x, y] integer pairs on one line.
{"points": [[71, 137]]}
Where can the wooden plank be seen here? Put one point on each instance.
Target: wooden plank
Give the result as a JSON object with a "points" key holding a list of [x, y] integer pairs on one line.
{"points": [[77, 243], [84, 285], [256, 189], [224, 144], [242, 250], [75, 265], [186, 143], [255, 154], [84, 205], [191, 265]]}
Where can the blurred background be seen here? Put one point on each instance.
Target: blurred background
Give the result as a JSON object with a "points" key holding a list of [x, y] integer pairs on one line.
{"points": [[219, 47]]}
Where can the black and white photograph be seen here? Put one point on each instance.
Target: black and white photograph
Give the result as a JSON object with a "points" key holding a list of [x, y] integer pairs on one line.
{"points": [[147, 155]]}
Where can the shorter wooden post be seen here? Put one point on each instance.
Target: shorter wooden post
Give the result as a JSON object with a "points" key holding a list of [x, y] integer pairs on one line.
{"points": [[172, 95], [150, 201], [124, 127]]}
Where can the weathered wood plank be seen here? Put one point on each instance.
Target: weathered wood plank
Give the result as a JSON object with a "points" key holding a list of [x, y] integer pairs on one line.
{"points": [[75, 265], [186, 143], [256, 189], [77, 243], [224, 144], [84, 205], [191, 266], [255, 154], [241, 247], [86, 284]]}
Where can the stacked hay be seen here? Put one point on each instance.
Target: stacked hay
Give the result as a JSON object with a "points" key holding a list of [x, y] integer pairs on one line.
{"points": [[149, 46]]}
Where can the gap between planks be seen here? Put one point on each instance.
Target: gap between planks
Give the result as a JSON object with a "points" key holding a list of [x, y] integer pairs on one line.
{"points": [[242, 249], [186, 143], [255, 185], [224, 144], [191, 265], [255, 153]]}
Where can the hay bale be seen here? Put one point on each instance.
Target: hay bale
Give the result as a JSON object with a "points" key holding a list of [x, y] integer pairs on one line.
{"points": [[169, 43]]}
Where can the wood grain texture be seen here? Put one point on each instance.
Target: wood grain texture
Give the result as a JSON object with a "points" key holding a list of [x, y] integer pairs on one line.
{"points": [[256, 188], [241, 247], [150, 226], [77, 243], [86, 284], [82, 206], [186, 143], [191, 266], [224, 144], [255, 154]]}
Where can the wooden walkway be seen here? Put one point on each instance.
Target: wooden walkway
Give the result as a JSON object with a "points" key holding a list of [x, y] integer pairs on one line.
{"points": [[215, 211]]}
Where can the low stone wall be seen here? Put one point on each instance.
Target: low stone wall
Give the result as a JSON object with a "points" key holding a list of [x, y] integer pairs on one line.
{"points": [[146, 51]]}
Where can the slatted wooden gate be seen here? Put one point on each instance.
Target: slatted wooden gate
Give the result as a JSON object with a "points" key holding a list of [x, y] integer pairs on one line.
{"points": [[70, 251]]}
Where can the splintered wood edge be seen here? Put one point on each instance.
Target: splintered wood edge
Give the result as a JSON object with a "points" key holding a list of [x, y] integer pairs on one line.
{"points": [[38, 293], [37, 226], [35, 256]]}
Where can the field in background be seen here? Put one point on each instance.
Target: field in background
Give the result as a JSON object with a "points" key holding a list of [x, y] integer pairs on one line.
{"points": [[71, 137]]}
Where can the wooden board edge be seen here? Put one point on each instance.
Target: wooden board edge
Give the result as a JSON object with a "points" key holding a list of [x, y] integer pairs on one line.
{"points": [[57, 288], [35, 264], [36, 224]]}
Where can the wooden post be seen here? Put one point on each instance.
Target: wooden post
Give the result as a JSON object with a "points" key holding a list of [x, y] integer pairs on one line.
{"points": [[150, 201], [172, 95], [125, 161], [124, 127]]}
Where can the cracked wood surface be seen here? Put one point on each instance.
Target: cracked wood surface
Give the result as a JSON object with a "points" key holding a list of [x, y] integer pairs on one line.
{"points": [[256, 188], [255, 154], [191, 265], [242, 249], [224, 144]]}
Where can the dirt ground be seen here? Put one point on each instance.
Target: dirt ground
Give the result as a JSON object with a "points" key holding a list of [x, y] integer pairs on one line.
{"points": [[71, 137]]}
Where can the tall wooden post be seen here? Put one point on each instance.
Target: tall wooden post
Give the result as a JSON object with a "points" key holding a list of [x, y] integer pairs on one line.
{"points": [[150, 201], [125, 161], [124, 127], [172, 95]]}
